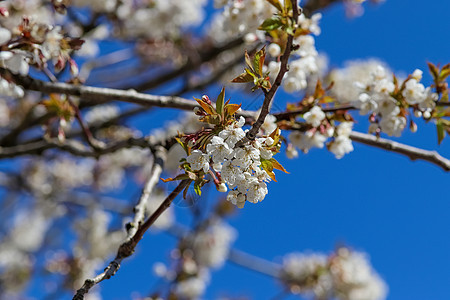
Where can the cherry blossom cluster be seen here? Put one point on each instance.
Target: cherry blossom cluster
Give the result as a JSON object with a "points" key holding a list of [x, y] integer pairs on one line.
{"points": [[245, 18], [239, 167], [305, 62], [129, 19], [240, 18], [345, 275], [199, 251], [320, 131], [29, 40], [378, 93]]}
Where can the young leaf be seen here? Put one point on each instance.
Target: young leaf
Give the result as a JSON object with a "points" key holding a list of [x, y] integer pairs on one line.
{"points": [[445, 72], [179, 177], [277, 165], [258, 61], [433, 70], [220, 101], [271, 24], [208, 108], [231, 109], [197, 188], [287, 5], [268, 167]]}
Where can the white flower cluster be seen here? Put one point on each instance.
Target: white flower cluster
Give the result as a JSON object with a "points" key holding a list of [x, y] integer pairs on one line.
{"points": [[65, 173], [192, 287], [239, 167], [368, 86], [211, 246], [306, 62], [13, 61], [25, 233], [240, 18], [318, 135], [174, 14], [345, 275], [202, 249], [344, 88], [375, 98]]}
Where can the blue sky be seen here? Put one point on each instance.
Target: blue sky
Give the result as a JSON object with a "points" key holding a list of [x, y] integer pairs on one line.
{"points": [[396, 210]]}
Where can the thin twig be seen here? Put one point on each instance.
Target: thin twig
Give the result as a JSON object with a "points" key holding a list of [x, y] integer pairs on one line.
{"points": [[254, 263], [292, 113], [203, 56], [160, 156], [127, 248], [412, 152], [251, 134]]}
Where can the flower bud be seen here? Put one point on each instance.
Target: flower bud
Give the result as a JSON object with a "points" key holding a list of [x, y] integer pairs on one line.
{"points": [[205, 99], [274, 50], [222, 187], [418, 113]]}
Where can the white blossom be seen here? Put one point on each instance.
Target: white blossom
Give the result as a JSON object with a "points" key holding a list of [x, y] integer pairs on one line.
{"points": [[393, 125], [307, 140], [314, 116], [198, 161], [341, 146], [414, 92], [211, 246], [190, 288], [218, 149], [354, 278]]}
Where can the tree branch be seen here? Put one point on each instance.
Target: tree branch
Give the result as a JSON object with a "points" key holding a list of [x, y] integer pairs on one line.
{"points": [[127, 248], [254, 263], [72, 146], [412, 152], [268, 96], [132, 96], [189, 65]]}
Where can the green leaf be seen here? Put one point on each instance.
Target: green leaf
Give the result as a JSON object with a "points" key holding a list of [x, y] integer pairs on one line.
{"points": [[433, 70], [444, 74], [258, 61], [287, 5], [197, 188], [220, 101], [290, 30], [277, 165], [183, 145], [268, 167], [271, 24], [440, 131]]}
